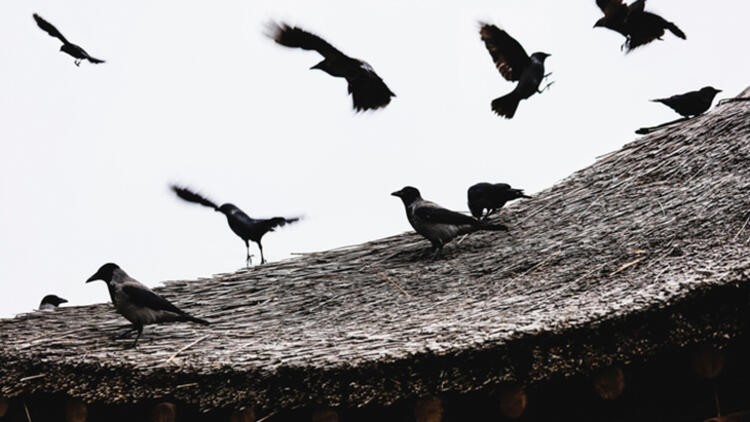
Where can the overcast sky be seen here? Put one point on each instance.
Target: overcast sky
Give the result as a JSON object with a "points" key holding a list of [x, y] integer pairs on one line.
{"points": [[193, 92]]}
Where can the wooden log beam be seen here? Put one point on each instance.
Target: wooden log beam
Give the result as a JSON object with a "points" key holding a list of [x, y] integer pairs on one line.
{"points": [[428, 409], [512, 401], [325, 415], [609, 383], [247, 415], [4, 405], [76, 410], [164, 412], [708, 362]]}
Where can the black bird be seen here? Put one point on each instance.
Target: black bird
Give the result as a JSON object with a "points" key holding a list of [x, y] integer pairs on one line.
{"points": [[368, 91], [515, 65], [241, 224], [51, 302], [439, 225], [136, 302], [638, 26], [691, 103], [68, 47], [491, 197]]}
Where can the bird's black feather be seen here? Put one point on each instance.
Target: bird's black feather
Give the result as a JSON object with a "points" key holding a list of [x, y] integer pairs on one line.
{"points": [[190, 196]]}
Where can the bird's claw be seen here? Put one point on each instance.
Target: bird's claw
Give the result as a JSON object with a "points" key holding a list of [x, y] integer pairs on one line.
{"points": [[545, 87]]}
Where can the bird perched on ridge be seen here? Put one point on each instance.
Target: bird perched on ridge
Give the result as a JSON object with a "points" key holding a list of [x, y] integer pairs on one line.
{"points": [[244, 226], [367, 89], [51, 302], [137, 303], [638, 26], [691, 103], [68, 47], [514, 64], [439, 225], [491, 197]]}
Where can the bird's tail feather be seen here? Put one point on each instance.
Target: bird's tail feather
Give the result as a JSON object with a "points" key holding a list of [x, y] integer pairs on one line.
{"points": [[676, 31], [493, 227], [506, 105], [94, 60], [188, 195], [191, 318]]}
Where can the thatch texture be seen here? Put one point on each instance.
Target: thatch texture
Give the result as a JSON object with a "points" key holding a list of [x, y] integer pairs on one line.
{"points": [[643, 252]]}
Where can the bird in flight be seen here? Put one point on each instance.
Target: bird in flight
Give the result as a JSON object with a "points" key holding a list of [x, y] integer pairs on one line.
{"points": [[691, 103], [437, 224], [638, 26], [68, 47], [514, 64], [244, 226], [51, 302], [367, 89], [491, 197], [137, 303]]}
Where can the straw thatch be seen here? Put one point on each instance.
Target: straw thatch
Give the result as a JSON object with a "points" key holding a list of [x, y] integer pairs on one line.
{"points": [[643, 252]]}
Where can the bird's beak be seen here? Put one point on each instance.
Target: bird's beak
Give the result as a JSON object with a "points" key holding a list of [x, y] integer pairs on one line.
{"points": [[63, 300], [93, 277], [397, 193]]}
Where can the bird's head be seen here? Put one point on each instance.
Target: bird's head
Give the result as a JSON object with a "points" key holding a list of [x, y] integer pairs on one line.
{"points": [[539, 56], [601, 23], [710, 91], [53, 300], [227, 208], [104, 273], [408, 194], [323, 65]]}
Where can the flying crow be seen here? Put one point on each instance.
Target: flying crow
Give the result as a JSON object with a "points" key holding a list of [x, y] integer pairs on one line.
{"points": [[491, 197], [439, 225], [68, 47], [51, 302], [136, 302], [368, 91], [638, 26], [691, 103], [241, 224], [514, 65]]}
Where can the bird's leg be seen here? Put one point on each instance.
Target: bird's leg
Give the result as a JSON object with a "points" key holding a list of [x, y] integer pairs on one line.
{"points": [[545, 87], [77, 62], [248, 257], [262, 259], [130, 329], [135, 342], [547, 75]]}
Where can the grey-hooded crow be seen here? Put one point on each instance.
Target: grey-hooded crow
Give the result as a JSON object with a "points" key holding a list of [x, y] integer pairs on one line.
{"points": [[439, 225], [244, 226], [51, 302], [691, 103], [638, 26], [367, 89], [68, 47], [136, 302], [514, 64], [491, 197]]}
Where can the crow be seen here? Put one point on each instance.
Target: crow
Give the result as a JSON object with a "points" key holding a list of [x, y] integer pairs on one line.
{"points": [[514, 65], [368, 90], [439, 225], [242, 225], [68, 47], [51, 302], [491, 197], [137, 303], [638, 26], [691, 103]]}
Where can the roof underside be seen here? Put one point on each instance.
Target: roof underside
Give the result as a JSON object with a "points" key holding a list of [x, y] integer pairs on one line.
{"points": [[644, 251]]}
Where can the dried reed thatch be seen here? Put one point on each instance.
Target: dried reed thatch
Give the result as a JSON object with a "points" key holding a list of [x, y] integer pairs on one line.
{"points": [[642, 252]]}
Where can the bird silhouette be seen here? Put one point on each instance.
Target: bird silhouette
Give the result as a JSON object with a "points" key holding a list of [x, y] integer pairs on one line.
{"points": [[491, 197], [691, 103], [68, 47], [638, 26]]}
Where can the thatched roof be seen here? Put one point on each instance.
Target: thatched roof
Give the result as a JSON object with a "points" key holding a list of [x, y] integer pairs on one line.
{"points": [[640, 253]]}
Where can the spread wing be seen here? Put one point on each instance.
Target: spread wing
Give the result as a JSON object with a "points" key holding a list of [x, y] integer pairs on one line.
{"points": [[148, 299], [49, 28], [291, 36], [190, 196], [368, 90], [439, 215], [611, 7], [509, 56]]}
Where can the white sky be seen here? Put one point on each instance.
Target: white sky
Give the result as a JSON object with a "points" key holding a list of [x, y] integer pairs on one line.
{"points": [[192, 92]]}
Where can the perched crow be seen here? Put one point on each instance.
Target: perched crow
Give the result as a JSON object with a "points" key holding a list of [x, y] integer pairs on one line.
{"points": [[691, 103], [491, 197], [634, 23], [515, 65], [68, 47], [241, 224], [51, 302], [439, 225], [136, 302], [368, 91]]}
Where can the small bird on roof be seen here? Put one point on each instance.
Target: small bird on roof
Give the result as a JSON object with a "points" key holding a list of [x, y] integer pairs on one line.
{"points": [[691, 103], [638, 26], [368, 90], [439, 225], [51, 302], [244, 226], [68, 47], [491, 197], [137, 303], [514, 64]]}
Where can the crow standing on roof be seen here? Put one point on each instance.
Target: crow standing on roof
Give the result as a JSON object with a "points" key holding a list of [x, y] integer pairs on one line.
{"points": [[491, 197], [439, 225], [241, 224], [368, 91], [136, 302], [638, 26], [691, 103], [515, 65], [51, 302], [68, 47]]}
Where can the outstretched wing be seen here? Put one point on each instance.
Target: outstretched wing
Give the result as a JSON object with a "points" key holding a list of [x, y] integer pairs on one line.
{"points": [[148, 299], [368, 90], [291, 36], [49, 28], [190, 196], [509, 56], [437, 215], [611, 7]]}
